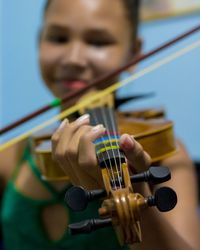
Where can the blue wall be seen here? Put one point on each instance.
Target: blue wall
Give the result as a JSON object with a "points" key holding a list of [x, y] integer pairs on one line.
{"points": [[176, 85], [23, 90]]}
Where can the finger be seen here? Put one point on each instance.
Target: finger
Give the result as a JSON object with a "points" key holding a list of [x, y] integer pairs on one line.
{"points": [[135, 153], [61, 146], [58, 155], [67, 154], [61, 139], [73, 147], [76, 169], [66, 130], [56, 135], [87, 156], [82, 120], [86, 171], [67, 169]]}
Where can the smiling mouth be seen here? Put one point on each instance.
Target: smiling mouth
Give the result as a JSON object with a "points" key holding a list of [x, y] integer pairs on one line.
{"points": [[74, 84]]}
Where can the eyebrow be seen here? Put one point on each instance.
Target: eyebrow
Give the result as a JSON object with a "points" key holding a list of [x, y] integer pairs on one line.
{"points": [[55, 27], [98, 31], [62, 26]]}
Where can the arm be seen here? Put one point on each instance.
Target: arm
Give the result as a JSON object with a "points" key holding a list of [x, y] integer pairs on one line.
{"points": [[8, 160], [179, 228]]}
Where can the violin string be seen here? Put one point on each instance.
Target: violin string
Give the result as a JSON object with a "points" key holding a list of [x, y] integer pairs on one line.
{"points": [[117, 141], [111, 176], [105, 119], [102, 94], [113, 128]]}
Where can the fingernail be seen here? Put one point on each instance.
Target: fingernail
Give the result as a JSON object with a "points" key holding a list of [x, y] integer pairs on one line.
{"points": [[98, 127], [63, 123], [83, 117], [127, 142]]}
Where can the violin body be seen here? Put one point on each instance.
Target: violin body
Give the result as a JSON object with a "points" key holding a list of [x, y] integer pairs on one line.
{"points": [[148, 127], [50, 170], [156, 136]]}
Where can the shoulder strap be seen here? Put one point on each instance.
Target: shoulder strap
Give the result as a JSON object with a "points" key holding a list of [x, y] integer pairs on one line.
{"points": [[27, 156], [19, 163], [38, 174]]}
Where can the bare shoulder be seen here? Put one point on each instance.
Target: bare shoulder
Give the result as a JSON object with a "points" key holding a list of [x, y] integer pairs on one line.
{"points": [[9, 158]]}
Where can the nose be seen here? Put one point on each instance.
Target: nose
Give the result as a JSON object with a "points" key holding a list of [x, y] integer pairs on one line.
{"points": [[75, 56]]}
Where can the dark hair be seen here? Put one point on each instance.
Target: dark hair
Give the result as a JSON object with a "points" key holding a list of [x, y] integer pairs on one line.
{"points": [[132, 9]]}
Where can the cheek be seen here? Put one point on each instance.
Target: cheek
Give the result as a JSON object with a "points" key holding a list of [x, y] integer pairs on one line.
{"points": [[110, 59], [48, 58]]}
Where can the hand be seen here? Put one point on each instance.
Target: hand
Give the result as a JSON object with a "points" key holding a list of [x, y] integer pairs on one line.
{"points": [[73, 149]]}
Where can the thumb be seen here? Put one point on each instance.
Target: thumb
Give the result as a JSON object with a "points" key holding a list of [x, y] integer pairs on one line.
{"points": [[134, 152]]}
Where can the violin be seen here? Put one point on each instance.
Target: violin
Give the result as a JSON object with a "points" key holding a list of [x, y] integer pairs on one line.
{"points": [[121, 207]]}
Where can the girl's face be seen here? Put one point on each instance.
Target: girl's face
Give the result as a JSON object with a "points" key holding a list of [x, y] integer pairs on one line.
{"points": [[82, 40]]}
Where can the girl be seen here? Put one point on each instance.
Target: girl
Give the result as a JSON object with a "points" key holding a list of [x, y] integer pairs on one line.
{"points": [[81, 40]]}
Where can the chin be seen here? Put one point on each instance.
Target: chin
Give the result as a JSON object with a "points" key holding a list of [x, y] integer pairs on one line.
{"points": [[61, 93]]}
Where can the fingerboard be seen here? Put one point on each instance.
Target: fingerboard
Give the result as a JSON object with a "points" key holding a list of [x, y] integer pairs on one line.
{"points": [[107, 147]]}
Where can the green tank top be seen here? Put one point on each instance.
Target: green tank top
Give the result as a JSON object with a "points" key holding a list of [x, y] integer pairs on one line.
{"points": [[23, 229]]}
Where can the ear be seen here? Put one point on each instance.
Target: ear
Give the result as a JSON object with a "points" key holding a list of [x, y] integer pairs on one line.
{"points": [[136, 51]]}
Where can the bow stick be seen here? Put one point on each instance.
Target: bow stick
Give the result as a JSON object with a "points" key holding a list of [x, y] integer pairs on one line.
{"points": [[73, 96], [101, 94]]}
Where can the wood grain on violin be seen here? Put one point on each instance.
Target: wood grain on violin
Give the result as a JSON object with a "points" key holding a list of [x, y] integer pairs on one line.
{"points": [[155, 135]]}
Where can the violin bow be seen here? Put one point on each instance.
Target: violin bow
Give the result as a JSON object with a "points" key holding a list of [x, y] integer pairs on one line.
{"points": [[106, 91], [76, 94]]}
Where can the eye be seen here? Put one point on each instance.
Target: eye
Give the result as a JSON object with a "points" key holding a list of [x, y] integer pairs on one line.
{"points": [[57, 38], [99, 42]]}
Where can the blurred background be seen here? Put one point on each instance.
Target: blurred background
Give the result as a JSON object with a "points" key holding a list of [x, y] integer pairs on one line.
{"points": [[176, 85]]}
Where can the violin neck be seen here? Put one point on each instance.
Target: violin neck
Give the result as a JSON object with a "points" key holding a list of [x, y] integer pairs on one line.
{"points": [[107, 147]]}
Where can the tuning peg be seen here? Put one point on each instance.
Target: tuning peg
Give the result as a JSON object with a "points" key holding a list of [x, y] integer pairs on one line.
{"points": [[77, 198], [88, 226], [155, 175], [165, 199]]}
